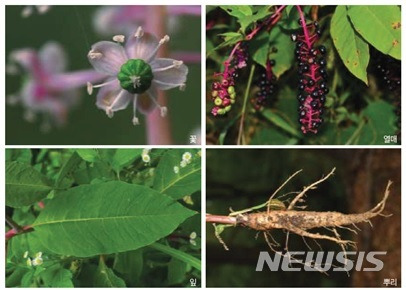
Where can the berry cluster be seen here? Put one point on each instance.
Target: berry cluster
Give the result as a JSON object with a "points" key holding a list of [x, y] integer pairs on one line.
{"points": [[223, 93], [267, 87], [389, 71], [312, 76]]}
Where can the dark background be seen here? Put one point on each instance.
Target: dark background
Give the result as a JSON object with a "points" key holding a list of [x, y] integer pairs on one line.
{"points": [[240, 179], [72, 27]]}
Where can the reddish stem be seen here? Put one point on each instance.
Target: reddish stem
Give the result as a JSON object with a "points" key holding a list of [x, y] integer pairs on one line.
{"points": [[221, 219], [158, 128], [304, 27]]}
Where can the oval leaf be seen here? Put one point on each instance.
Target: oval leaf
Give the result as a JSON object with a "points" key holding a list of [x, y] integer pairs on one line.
{"points": [[379, 25], [107, 218], [24, 185], [89, 155], [353, 50], [280, 122], [177, 185]]}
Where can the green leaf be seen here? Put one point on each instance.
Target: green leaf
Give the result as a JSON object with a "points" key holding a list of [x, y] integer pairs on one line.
{"points": [[284, 54], [67, 168], [259, 48], [21, 155], [245, 14], [57, 277], [24, 185], [27, 280], [105, 277], [107, 218], [176, 271], [177, 185], [89, 155], [381, 122], [97, 170], [14, 279], [130, 265], [124, 157], [352, 49], [182, 256], [280, 122], [380, 25]]}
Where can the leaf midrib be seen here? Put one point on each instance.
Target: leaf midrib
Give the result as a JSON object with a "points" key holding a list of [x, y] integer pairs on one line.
{"points": [[170, 184], [100, 219], [28, 185]]}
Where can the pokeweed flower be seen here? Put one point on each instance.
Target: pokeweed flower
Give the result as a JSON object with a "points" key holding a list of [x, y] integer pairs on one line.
{"points": [[46, 88], [134, 73], [187, 157]]}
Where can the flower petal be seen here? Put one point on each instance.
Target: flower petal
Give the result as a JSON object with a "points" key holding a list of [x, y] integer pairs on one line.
{"points": [[107, 97], [107, 57], [141, 47], [170, 78], [145, 103], [52, 57]]}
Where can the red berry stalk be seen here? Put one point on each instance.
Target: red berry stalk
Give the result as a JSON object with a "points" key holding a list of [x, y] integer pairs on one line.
{"points": [[223, 92], [312, 75]]}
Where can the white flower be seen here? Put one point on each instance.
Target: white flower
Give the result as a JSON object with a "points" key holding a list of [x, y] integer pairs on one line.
{"points": [[25, 254], [37, 261], [183, 163], [187, 157], [176, 169], [38, 255], [192, 239], [146, 158], [29, 263], [199, 153], [132, 70]]}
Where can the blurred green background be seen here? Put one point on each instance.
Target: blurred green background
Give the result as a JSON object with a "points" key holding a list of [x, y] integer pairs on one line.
{"points": [[72, 27], [260, 172]]}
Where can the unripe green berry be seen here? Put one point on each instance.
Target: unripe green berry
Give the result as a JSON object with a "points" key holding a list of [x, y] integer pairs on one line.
{"points": [[230, 90], [232, 96], [218, 101], [232, 101], [221, 111], [228, 108], [214, 94]]}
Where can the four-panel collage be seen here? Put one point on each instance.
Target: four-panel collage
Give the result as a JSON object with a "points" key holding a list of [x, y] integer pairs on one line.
{"points": [[202, 146]]}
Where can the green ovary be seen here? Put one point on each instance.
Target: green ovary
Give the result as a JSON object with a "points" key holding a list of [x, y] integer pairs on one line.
{"points": [[135, 76]]}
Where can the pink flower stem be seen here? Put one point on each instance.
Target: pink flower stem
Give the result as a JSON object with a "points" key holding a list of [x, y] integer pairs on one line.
{"points": [[304, 27], [158, 128]]}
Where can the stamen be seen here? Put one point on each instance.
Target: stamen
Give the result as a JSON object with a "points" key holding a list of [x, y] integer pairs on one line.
{"points": [[166, 38], [176, 64], [90, 86], [162, 41], [163, 109], [95, 54], [119, 38], [135, 119], [139, 33], [109, 109]]}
